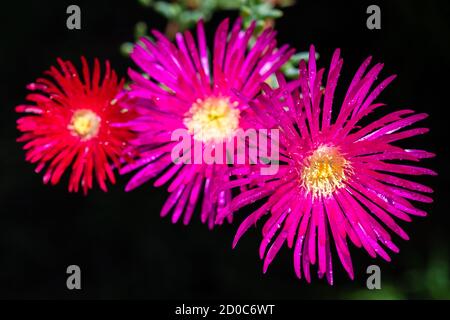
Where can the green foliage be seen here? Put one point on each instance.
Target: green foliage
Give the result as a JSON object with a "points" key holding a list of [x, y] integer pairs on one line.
{"points": [[431, 281], [146, 3], [260, 11], [184, 14], [387, 292], [126, 48]]}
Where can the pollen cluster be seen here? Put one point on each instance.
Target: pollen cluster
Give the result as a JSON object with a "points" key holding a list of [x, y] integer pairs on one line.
{"points": [[324, 171], [84, 124], [212, 119]]}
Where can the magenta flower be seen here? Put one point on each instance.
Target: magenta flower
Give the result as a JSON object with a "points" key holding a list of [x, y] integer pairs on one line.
{"points": [[182, 89], [340, 176]]}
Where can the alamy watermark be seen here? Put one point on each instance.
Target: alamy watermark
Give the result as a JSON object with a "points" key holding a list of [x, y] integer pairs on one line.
{"points": [[374, 20], [74, 279], [245, 147], [74, 20], [374, 280]]}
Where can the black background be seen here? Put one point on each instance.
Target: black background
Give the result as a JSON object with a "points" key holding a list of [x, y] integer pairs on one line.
{"points": [[118, 239]]}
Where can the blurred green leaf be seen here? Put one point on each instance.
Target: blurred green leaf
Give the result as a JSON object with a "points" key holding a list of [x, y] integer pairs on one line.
{"points": [[126, 48], [146, 3], [169, 10], [246, 11], [437, 276], [387, 292], [291, 73], [140, 30], [229, 4], [189, 18]]}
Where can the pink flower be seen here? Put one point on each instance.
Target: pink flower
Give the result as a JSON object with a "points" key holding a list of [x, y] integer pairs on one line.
{"points": [[338, 180], [183, 89], [70, 122]]}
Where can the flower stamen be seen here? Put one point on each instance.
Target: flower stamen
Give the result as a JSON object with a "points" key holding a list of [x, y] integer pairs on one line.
{"points": [[325, 170], [212, 119], [85, 124]]}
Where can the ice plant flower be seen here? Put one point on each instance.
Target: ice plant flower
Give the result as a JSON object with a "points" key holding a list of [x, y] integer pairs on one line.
{"points": [[74, 122], [183, 89], [343, 176]]}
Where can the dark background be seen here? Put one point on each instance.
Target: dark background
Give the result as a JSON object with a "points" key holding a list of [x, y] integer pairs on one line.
{"points": [[123, 247]]}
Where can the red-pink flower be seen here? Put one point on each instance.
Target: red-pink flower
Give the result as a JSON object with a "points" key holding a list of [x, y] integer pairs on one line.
{"points": [[70, 122], [184, 89], [339, 181]]}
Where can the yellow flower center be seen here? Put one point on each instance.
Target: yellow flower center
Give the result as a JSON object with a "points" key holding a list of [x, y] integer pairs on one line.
{"points": [[325, 171], [212, 119], [85, 124]]}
